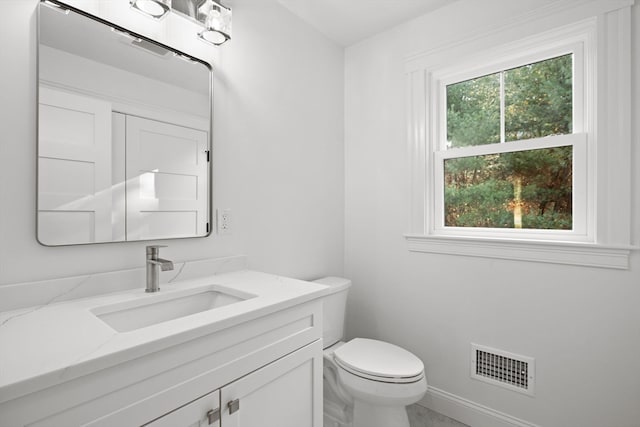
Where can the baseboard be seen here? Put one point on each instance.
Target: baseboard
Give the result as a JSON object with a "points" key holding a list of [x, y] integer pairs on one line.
{"points": [[468, 412]]}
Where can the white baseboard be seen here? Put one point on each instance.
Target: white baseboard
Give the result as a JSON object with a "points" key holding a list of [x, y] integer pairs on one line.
{"points": [[468, 412]]}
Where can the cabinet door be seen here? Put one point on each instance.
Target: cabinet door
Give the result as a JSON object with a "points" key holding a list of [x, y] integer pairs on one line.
{"points": [[203, 412], [285, 393]]}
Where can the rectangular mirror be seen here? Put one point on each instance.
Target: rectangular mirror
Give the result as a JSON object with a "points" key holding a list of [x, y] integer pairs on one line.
{"points": [[124, 129]]}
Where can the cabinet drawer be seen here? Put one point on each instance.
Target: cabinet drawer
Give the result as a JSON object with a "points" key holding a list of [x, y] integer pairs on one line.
{"points": [[202, 412]]}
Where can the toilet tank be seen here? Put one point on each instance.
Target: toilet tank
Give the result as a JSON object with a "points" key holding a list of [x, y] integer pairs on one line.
{"points": [[334, 305]]}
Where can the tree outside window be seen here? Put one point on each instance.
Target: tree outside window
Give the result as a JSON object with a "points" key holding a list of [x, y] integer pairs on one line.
{"points": [[531, 188]]}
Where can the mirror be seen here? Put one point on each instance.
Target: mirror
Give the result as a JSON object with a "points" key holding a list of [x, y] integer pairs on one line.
{"points": [[124, 127]]}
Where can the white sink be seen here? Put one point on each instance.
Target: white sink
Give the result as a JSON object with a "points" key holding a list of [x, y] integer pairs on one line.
{"points": [[163, 307]]}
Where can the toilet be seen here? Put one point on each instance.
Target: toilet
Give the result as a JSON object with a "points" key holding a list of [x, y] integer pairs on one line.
{"points": [[367, 383]]}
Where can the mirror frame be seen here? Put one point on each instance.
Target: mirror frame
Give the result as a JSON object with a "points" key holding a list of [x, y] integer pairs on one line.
{"points": [[63, 6]]}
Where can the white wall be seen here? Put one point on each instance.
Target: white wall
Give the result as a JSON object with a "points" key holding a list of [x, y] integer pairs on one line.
{"points": [[278, 146], [279, 167], [581, 324]]}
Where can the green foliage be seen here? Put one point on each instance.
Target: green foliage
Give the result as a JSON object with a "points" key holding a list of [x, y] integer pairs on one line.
{"points": [[473, 111], [538, 99], [480, 190], [538, 102], [479, 205]]}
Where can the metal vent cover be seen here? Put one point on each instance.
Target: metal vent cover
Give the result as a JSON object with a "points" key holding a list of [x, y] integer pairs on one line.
{"points": [[504, 369]]}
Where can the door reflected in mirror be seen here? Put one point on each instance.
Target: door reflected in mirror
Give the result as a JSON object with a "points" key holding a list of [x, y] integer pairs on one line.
{"points": [[124, 129]]}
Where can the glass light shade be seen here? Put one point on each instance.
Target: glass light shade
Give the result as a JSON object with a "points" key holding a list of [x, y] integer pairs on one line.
{"points": [[217, 25], [153, 8]]}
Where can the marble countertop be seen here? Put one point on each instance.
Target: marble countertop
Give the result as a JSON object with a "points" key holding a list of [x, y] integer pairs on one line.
{"points": [[53, 342]]}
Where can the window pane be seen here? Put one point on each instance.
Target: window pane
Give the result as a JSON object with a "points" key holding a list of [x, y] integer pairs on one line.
{"points": [[473, 112], [526, 189], [538, 99]]}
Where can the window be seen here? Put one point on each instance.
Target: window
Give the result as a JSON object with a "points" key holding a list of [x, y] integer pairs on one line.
{"points": [[525, 102], [507, 157], [523, 150]]}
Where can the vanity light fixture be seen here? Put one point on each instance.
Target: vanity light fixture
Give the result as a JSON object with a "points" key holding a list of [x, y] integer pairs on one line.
{"points": [[217, 24], [211, 15], [156, 9]]}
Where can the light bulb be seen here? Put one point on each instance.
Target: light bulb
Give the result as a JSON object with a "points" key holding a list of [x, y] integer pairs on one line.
{"points": [[153, 8], [212, 36]]}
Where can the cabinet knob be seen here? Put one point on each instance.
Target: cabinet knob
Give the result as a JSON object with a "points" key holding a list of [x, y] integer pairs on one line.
{"points": [[234, 406], [213, 416]]}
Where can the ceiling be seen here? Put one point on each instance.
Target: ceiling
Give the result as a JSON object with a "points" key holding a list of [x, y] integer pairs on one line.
{"points": [[349, 21]]}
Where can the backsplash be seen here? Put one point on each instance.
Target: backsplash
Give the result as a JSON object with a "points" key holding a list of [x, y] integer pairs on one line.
{"points": [[45, 292]]}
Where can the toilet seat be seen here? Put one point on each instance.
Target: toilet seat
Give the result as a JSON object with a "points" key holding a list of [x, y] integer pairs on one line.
{"points": [[379, 361]]}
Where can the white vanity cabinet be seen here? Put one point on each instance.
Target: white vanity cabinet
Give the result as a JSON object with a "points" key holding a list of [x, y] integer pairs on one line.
{"points": [[265, 372], [280, 394]]}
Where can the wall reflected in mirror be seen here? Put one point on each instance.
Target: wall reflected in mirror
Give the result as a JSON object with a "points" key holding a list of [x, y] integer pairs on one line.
{"points": [[123, 135]]}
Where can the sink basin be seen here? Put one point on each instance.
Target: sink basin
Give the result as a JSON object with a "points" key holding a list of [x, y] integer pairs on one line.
{"points": [[155, 309]]}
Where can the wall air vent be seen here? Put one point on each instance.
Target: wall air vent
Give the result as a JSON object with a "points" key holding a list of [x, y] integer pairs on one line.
{"points": [[503, 369]]}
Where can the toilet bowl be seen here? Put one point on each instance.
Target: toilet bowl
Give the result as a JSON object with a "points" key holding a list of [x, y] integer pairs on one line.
{"points": [[367, 382]]}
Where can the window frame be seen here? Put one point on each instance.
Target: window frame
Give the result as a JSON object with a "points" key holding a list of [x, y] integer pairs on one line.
{"points": [[603, 115], [582, 139], [582, 205]]}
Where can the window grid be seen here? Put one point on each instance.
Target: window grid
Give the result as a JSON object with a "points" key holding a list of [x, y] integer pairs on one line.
{"points": [[579, 230]]}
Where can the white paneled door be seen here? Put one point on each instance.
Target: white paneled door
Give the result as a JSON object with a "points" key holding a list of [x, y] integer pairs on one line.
{"points": [[74, 169], [166, 180]]}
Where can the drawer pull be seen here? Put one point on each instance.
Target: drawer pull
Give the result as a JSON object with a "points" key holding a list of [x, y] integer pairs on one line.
{"points": [[213, 415], [234, 406]]}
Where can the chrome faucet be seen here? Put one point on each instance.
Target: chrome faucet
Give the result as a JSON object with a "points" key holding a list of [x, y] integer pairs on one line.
{"points": [[154, 265]]}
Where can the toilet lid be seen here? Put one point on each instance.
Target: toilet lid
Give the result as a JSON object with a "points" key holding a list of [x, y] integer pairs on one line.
{"points": [[379, 360]]}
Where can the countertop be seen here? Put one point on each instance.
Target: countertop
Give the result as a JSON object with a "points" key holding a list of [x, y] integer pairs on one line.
{"points": [[51, 343]]}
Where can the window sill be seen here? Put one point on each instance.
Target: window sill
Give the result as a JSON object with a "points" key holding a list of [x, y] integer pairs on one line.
{"points": [[582, 254]]}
